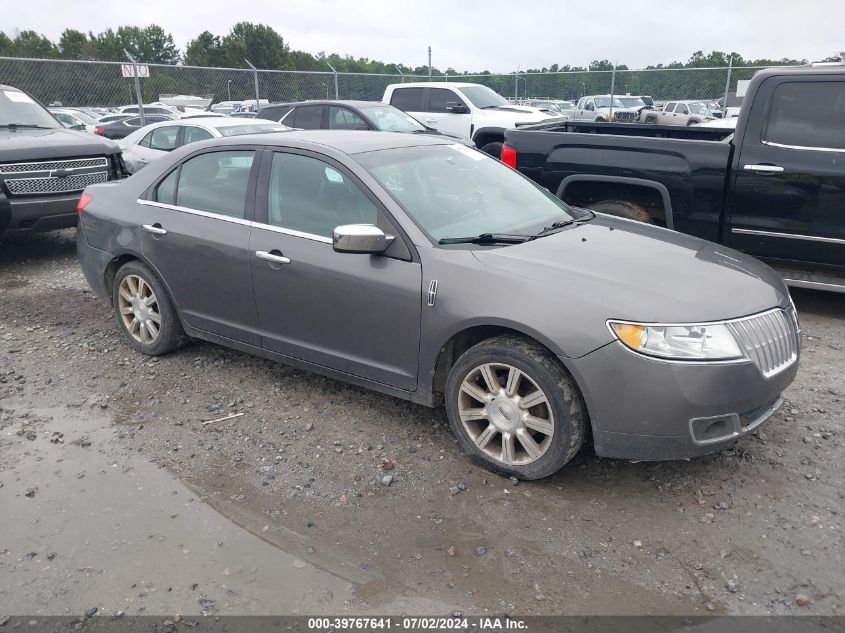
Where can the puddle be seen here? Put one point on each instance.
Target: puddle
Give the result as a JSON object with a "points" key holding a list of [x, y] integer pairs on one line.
{"points": [[89, 525]]}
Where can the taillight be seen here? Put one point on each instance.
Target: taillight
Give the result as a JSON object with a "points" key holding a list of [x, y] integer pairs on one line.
{"points": [[99, 130], [508, 155], [84, 199]]}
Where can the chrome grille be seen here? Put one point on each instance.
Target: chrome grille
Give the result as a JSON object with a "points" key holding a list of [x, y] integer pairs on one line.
{"points": [[625, 116], [771, 340], [68, 184], [77, 163]]}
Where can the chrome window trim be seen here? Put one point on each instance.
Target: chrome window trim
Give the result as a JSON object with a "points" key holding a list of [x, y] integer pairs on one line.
{"points": [[697, 362], [808, 148], [241, 221], [790, 236]]}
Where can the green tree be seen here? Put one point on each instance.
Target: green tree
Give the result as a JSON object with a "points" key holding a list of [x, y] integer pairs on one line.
{"points": [[32, 44], [76, 45], [205, 49], [258, 43]]}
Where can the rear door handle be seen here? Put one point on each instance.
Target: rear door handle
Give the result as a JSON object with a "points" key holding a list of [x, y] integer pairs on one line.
{"points": [[155, 229], [763, 169], [274, 257]]}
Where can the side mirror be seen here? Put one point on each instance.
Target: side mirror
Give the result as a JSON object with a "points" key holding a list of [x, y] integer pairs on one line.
{"points": [[360, 238], [456, 108]]}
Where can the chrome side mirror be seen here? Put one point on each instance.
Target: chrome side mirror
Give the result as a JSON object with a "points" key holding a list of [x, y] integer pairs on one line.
{"points": [[360, 238]]}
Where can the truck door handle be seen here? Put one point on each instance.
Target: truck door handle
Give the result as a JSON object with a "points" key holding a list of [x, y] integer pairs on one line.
{"points": [[763, 169], [274, 257], [155, 229]]}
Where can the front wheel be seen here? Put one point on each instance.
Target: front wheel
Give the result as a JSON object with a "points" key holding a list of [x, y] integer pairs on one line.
{"points": [[623, 209], [514, 408]]}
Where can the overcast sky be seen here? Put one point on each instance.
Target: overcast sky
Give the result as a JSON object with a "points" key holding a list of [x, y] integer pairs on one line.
{"points": [[497, 35]]}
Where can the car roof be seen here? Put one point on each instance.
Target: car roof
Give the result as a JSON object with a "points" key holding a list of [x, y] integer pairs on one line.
{"points": [[346, 141], [438, 84]]}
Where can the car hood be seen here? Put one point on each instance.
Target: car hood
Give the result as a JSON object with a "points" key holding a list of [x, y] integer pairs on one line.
{"points": [[611, 268], [24, 144], [511, 114]]}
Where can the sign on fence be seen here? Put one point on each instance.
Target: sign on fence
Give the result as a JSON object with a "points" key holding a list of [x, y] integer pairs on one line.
{"points": [[128, 70]]}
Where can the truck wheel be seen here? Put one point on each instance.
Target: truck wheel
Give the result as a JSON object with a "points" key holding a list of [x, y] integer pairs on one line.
{"points": [[514, 408], [494, 149], [623, 209], [651, 120], [601, 120], [692, 122]]}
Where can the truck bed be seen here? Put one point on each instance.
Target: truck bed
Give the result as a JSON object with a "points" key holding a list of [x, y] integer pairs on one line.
{"points": [[633, 129]]}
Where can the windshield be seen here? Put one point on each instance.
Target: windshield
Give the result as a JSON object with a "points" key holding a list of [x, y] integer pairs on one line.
{"points": [[483, 97], [452, 191], [256, 128], [84, 117], [18, 108], [565, 105], [604, 102], [389, 119], [699, 108], [545, 105], [632, 102]]}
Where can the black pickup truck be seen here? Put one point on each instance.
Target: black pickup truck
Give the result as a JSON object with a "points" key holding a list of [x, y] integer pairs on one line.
{"points": [[44, 167], [773, 188]]}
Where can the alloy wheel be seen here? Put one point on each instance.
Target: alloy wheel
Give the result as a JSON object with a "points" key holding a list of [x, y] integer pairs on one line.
{"points": [[139, 309], [506, 414]]}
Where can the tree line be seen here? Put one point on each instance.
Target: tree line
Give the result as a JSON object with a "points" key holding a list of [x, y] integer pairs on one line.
{"points": [[267, 49]]}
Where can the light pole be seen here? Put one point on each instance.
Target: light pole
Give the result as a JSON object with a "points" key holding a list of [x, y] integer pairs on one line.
{"points": [[229, 88]]}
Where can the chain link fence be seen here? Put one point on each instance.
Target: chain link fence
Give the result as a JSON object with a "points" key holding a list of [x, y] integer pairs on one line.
{"points": [[101, 84]]}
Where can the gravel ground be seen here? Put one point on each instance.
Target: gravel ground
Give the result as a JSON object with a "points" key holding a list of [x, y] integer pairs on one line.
{"points": [[369, 495]]}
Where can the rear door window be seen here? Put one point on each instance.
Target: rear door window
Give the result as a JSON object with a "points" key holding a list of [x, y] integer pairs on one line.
{"points": [[408, 99], [215, 182], [307, 118], [808, 114], [440, 98]]}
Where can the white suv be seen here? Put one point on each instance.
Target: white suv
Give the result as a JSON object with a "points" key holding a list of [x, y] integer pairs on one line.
{"points": [[468, 110]]}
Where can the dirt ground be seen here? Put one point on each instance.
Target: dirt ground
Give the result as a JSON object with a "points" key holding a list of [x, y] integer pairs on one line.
{"points": [[121, 490]]}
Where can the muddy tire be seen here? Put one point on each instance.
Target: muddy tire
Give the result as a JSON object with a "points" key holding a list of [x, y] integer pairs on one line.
{"points": [[514, 408], [623, 209], [494, 149], [651, 120], [144, 311]]}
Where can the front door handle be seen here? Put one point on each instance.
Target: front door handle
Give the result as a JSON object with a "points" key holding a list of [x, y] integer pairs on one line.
{"points": [[155, 229], [274, 257], [763, 169]]}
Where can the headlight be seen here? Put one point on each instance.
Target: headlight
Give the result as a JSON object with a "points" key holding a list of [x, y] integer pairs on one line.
{"points": [[679, 342]]}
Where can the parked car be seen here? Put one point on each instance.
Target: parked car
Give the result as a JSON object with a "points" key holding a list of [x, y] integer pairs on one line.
{"points": [[679, 113], [383, 259], [348, 115], [773, 187], [111, 118], [74, 119], [154, 141], [124, 127], [468, 110], [552, 106], [44, 166], [597, 108], [150, 109]]}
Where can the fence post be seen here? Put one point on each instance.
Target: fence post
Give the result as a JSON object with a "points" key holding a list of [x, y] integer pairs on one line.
{"points": [[516, 85], [137, 88], [727, 86], [255, 78], [336, 93], [612, 89]]}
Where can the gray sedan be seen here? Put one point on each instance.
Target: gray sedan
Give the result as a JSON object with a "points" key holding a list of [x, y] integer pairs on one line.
{"points": [[429, 271]]}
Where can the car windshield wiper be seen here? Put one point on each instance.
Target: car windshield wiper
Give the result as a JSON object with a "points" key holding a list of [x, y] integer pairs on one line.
{"points": [[487, 238], [13, 126]]}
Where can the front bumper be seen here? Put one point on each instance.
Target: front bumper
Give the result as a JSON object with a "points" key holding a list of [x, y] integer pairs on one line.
{"points": [[38, 213], [644, 409]]}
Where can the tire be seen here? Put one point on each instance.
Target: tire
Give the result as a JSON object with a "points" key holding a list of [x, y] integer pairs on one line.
{"points": [[691, 122], [651, 120], [558, 420], [134, 287], [623, 209], [494, 149], [601, 120]]}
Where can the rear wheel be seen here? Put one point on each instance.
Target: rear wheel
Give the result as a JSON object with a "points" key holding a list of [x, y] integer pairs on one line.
{"points": [[623, 209], [144, 311], [514, 408], [494, 149], [651, 120]]}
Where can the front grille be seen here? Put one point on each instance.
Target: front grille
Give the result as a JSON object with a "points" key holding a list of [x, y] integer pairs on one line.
{"points": [[68, 184], [771, 340], [625, 117], [77, 163]]}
